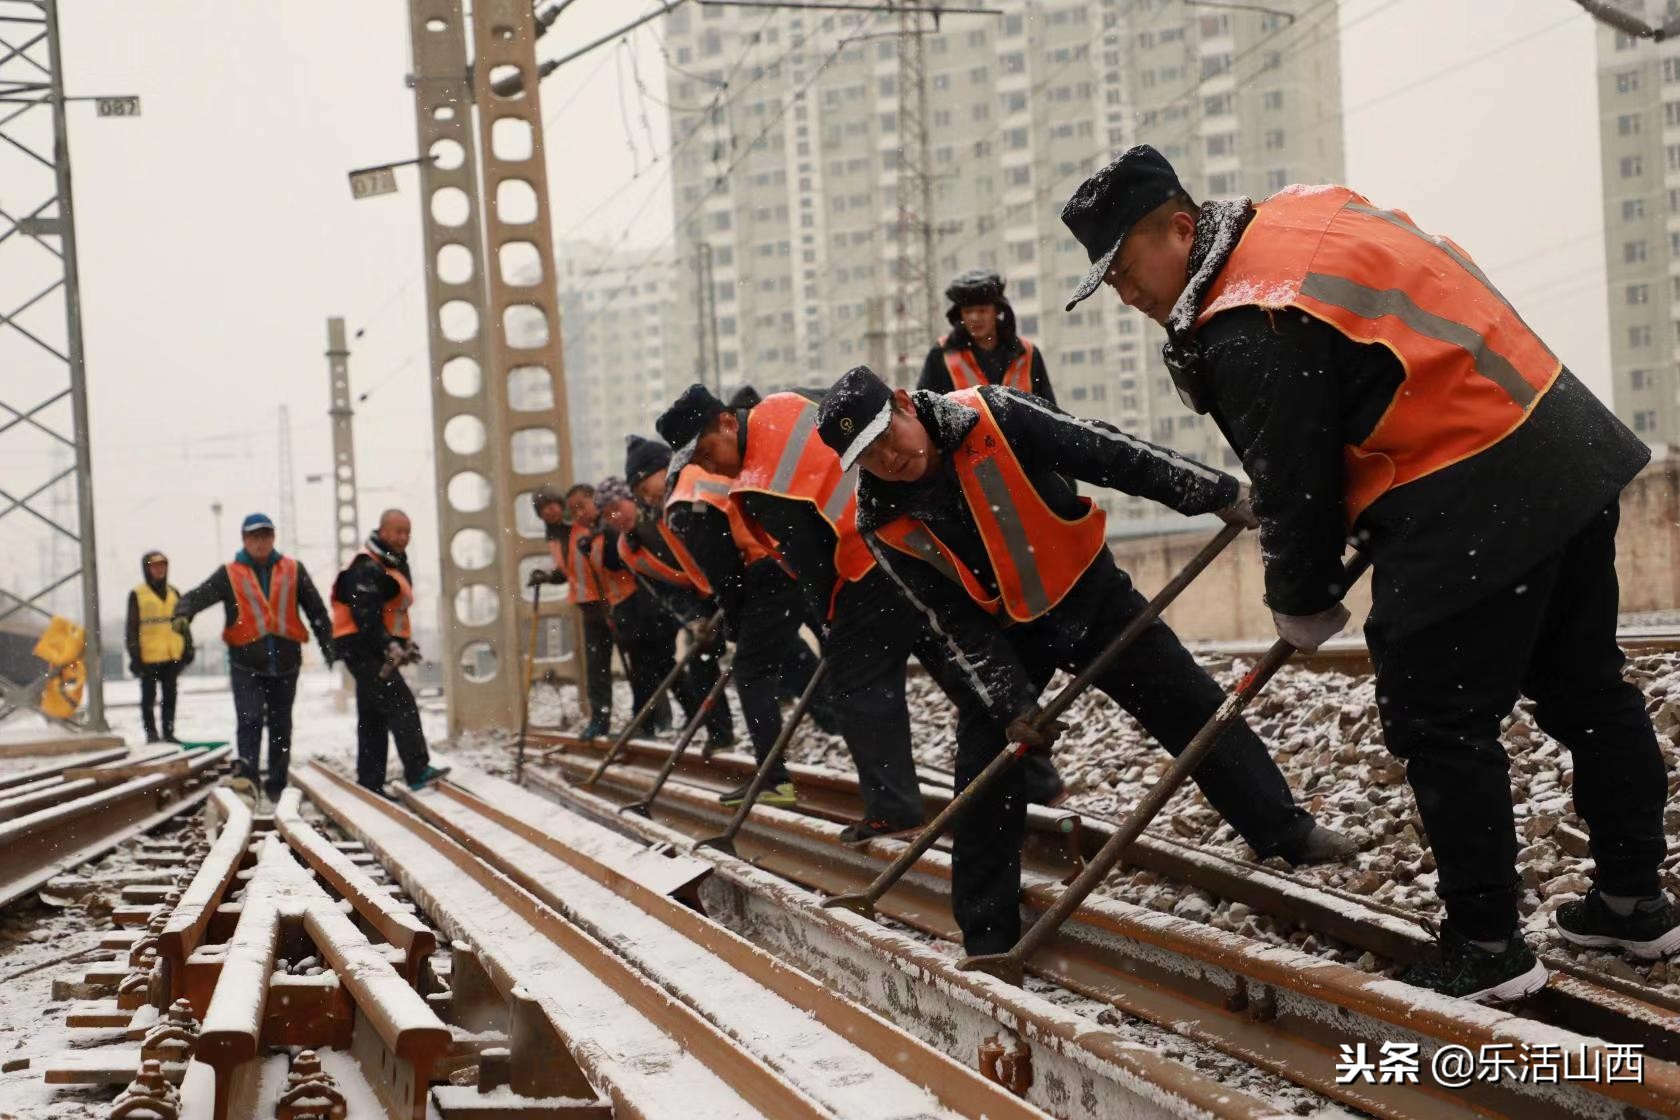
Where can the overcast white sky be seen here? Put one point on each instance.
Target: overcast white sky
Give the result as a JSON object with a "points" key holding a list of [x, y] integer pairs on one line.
{"points": [[218, 233]]}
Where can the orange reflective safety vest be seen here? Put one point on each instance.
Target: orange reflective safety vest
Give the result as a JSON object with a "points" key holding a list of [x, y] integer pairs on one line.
{"points": [[696, 485], [965, 370], [1473, 369], [616, 585], [583, 583], [274, 615], [787, 458], [395, 611], [647, 562], [1037, 555]]}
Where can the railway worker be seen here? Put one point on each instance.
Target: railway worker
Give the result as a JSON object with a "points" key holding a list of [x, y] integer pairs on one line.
{"points": [[570, 521], [967, 502], [643, 625], [761, 604], [157, 651], [265, 598], [1375, 383], [372, 634], [799, 501], [983, 347], [658, 556]]}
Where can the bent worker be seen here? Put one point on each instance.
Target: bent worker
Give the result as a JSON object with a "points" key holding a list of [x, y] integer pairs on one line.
{"points": [[262, 593], [651, 549], [570, 521], [371, 630], [801, 504], [984, 347], [1402, 398], [157, 651], [966, 502], [643, 625]]}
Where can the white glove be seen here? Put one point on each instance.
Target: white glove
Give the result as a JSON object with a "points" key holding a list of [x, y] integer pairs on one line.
{"points": [[1240, 512], [1306, 632]]}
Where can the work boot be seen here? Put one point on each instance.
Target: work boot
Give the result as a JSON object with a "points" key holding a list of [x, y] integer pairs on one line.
{"points": [[781, 794], [273, 792], [427, 777], [718, 739], [659, 719], [1649, 933], [1318, 845], [598, 727], [152, 737], [861, 832], [1456, 966]]}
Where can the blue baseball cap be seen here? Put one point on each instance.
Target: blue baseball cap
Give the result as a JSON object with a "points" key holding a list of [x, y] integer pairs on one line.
{"points": [[256, 523]]}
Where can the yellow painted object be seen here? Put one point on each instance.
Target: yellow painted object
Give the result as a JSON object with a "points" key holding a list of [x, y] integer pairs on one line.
{"points": [[61, 646]]}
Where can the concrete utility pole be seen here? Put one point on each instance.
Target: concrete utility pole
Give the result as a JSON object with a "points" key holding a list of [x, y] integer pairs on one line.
{"points": [[705, 299], [490, 450], [38, 250], [916, 309], [347, 526], [288, 491]]}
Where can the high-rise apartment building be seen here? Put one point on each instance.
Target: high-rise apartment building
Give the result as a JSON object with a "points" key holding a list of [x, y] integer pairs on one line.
{"points": [[788, 151], [1639, 138], [617, 334]]}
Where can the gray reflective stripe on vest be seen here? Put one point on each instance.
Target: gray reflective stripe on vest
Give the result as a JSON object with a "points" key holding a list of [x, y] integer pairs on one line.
{"points": [[1002, 505], [836, 504], [793, 450], [922, 543], [1374, 303], [707, 486], [1445, 246]]}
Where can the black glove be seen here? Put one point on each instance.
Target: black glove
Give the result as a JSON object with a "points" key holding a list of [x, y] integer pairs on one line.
{"points": [[557, 576], [133, 667], [189, 657], [1040, 735], [538, 577], [182, 625], [328, 654]]}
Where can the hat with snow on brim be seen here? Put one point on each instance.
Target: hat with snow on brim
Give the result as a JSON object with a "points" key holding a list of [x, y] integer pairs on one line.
{"points": [[854, 414], [682, 424], [1108, 204]]}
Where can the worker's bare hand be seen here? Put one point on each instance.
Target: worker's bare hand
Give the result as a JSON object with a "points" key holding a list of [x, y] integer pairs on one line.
{"points": [[1035, 732], [1240, 512]]}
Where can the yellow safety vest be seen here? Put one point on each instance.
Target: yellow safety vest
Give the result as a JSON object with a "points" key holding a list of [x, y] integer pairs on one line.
{"points": [[158, 640]]}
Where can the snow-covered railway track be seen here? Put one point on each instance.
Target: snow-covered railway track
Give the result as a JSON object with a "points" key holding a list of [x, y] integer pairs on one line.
{"points": [[1349, 655], [1275, 1007]]}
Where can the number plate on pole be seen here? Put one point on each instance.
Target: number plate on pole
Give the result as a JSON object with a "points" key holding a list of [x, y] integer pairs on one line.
{"points": [[118, 106], [372, 181]]}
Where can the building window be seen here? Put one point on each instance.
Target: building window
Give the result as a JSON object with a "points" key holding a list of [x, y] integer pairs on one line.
{"points": [[1276, 180], [1274, 139], [1272, 99], [1639, 337], [1671, 69], [1625, 42], [1636, 379], [1639, 293], [1633, 209], [1627, 124], [1632, 166], [1645, 420], [1627, 81]]}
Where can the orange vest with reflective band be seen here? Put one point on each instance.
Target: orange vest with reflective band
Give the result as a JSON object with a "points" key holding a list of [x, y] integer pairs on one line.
{"points": [[645, 561], [395, 611], [1473, 369], [965, 370], [1037, 555], [263, 616], [616, 585], [785, 457], [696, 485], [583, 585]]}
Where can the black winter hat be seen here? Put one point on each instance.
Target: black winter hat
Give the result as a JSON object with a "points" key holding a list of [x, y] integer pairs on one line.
{"points": [[546, 495], [854, 414], [681, 424], [1108, 204], [642, 457], [976, 286], [745, 397]]}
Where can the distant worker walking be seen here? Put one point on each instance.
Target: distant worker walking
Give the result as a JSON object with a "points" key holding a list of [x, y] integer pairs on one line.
{"points": [[262, 594], [372, 633], [157, 651]]}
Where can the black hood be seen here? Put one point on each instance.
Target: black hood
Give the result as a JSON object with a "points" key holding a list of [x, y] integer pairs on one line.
{"points": [[948, 424]]}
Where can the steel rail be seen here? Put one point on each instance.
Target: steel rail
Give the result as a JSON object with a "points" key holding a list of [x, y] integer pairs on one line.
{"points": [[1277, 1008], [651, 1055], [52, 840]]}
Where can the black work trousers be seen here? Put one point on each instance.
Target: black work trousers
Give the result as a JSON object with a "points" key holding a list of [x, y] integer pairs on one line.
{"points": [[386, 712], [870, 639], [1443, 690], [1160, 684], [771, 659], [598, 654], [648, 637], [155, 681], [262, 700]]}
